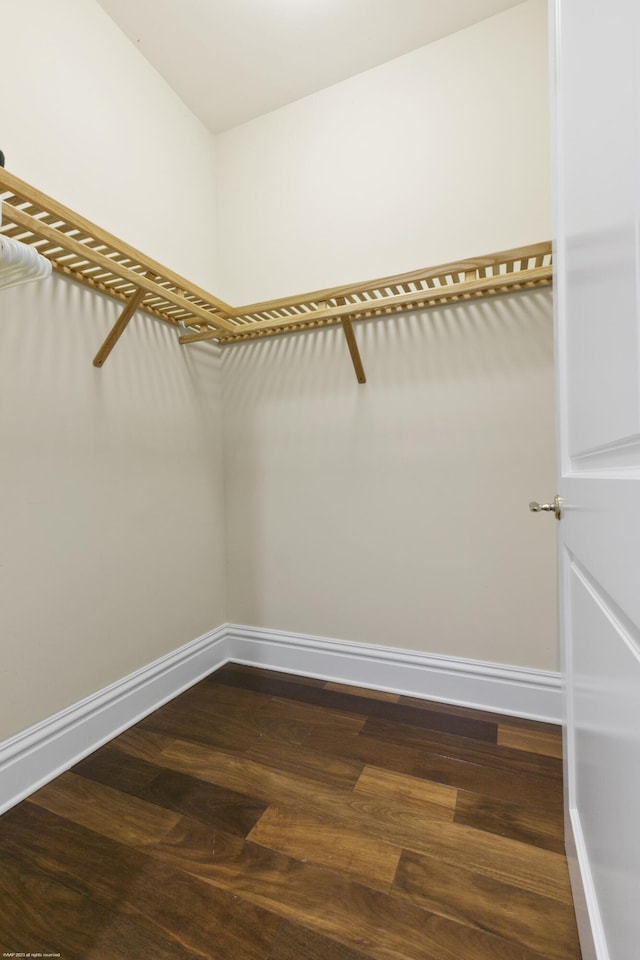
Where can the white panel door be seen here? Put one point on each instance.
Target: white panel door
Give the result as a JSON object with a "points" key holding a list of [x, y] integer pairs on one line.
{"points": [[597, 137]]}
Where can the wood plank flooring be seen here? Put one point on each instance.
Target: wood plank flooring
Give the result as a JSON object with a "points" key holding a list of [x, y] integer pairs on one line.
{"points": [[261, 816]]}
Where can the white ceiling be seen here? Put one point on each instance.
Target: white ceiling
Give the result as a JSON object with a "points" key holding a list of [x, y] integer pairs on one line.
{"points": [[232, 60]]}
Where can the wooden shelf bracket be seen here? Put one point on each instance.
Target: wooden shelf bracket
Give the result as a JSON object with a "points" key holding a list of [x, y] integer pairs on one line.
{"points": [[119, 327], [84, 252], [352, 343]]}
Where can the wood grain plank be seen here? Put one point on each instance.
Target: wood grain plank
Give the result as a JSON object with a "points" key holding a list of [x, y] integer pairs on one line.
{"points": [[534, 792], [494, 815], [353, 691], [546, 743], [233, 771], [172, 904], [306, 762], [500, 817], [538, 923], [207, 726], [382, 927], [271, 682], [117, 770], [223, 702], [398, 786], [217, 806], [298, 943], [117, 815], [220, 697], [395, 822], [471, 728], [38, 915], [497, 755], [462, 726], [316, 717], [522, 723], [510, 861], [143, 744], [313, 839], [275, 817]]}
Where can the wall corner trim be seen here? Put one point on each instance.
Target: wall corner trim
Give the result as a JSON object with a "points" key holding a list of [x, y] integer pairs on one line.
{"points": [[37, 755]]}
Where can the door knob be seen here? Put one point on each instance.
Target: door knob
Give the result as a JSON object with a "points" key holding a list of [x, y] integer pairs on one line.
{"points": [[554, 507]]}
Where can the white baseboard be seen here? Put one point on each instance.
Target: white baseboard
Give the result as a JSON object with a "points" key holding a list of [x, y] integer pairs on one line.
{"points": [[37, 755], [535, 694], [42, 752]]}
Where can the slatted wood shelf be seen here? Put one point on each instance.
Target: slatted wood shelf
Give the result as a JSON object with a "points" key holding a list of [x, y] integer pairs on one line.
{"points": [[507, 271], [85, 252]]}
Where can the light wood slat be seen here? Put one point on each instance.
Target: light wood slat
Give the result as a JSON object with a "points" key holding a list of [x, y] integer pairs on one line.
{"points": [[347, 290], [85, 252], [393, 304], [113, 267], [431, 296], [19, 188], [419, 304], [95, 285]]}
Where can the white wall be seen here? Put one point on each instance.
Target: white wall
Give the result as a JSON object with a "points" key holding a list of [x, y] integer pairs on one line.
{"points": [[87, 120], [111, 518], [435, 156], [354, 512], [111, 528], [397, 512]]}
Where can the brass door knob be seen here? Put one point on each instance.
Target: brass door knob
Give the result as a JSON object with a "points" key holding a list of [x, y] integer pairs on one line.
{"points": [[554, 507]]}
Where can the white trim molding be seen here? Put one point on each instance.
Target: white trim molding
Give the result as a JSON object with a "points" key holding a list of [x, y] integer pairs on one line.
{"points": [[593, 944], [516, 691], [37, 755]]}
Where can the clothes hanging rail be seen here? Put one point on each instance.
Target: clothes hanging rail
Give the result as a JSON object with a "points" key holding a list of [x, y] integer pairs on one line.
{"points": [[85, 252]]}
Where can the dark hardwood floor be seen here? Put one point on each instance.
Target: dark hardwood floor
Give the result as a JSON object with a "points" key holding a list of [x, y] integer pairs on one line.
{"points": [[271, 817]]}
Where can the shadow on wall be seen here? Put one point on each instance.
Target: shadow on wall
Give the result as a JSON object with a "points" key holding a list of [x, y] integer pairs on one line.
{"points": [[62, 327], [366, 513], [457, 342], [111, 512]]}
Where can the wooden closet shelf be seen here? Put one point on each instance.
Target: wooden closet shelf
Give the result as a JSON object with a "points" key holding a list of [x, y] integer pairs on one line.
{"points": [[79, 249], [87, 253], [510, 270]]}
